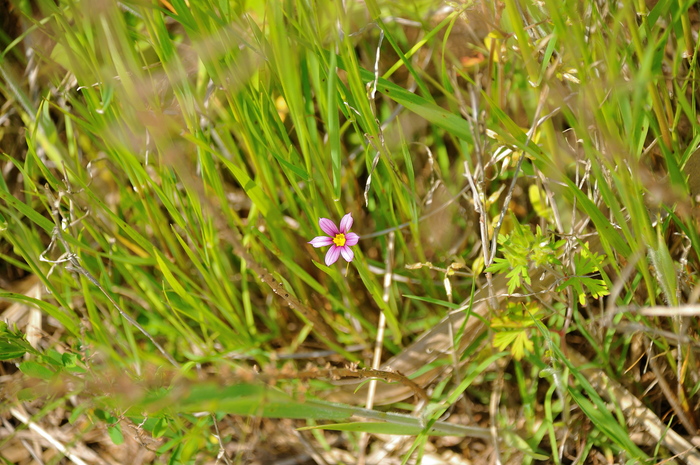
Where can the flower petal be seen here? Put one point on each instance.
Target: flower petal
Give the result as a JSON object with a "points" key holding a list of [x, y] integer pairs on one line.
{"points": [[328, 227], [347, 253], [351, 239], [346, 223], [321, 241], [332, 255]]}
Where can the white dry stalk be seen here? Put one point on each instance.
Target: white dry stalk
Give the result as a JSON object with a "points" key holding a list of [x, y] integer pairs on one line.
{"points": [[44, 434], [379, 341], [681, 311], [494, 402], [34, 321], [15, 313], [376, 64]]}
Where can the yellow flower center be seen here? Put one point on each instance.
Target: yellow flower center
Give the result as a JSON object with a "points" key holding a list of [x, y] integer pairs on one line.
{"points": [[339, 240]]}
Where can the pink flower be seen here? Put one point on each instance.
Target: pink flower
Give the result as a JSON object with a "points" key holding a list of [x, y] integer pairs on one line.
{"points": [[340, 239]]}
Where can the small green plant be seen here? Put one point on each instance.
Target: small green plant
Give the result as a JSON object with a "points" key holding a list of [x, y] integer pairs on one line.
{"points": [[586, 263], [13, 343], [513, 328], [520, 249]]}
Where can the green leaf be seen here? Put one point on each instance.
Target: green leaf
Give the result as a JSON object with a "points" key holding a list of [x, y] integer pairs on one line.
{"points": [[115, 434], [376, 427], [451, 122], [519, 342], [160, 428], [13, 344], [33, 216], [104, 416], [295, 169], [522, 345], [595, 409], [254, 191], [66, 319], [334, 126], [503, 339], [431, 300], [262, 401], [602, 223], [518, 443], [499, 265], [664, 269], [77, 411], [516, 276], [36, 370], [585, 263]]}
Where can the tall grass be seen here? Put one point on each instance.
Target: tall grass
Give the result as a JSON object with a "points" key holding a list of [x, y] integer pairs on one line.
{"points": [[175, 161]]}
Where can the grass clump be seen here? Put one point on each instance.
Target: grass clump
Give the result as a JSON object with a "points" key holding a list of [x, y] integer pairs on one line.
{"points": [[521, 176]]}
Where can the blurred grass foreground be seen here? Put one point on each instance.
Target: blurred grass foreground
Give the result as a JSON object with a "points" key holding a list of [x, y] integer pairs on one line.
{"points": [[300, 232]]}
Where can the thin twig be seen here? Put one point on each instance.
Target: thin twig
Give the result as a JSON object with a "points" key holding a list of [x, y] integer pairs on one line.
{"points": [[222, 450]]}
